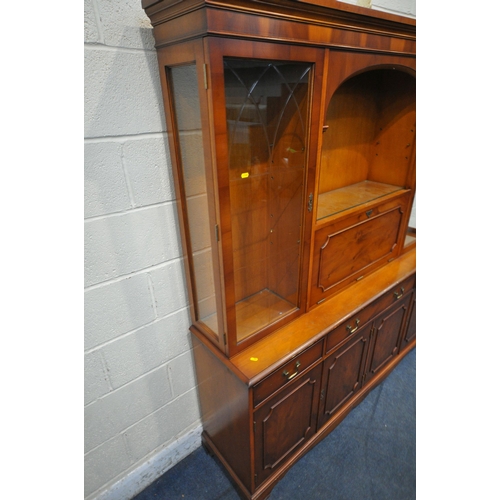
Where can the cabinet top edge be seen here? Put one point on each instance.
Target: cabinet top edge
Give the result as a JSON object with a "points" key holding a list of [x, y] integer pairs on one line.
{"points": [[336, 9], [283, 345]]}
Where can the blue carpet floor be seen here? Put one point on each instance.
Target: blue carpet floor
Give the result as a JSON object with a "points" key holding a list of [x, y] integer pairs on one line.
{"points": [[371, 455]]}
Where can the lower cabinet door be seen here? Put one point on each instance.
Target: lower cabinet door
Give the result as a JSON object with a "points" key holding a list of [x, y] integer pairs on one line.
{"points": [[343, 372], [285, 423], [387, 331], [411, 324]]}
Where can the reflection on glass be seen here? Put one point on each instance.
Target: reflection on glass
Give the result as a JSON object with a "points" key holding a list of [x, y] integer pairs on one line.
{"points": [[187, 113], [266, 110], [411, 235]]}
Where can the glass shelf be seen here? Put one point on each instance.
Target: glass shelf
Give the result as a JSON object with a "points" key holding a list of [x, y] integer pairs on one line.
{"points": [[342, 199], [260, 310]]}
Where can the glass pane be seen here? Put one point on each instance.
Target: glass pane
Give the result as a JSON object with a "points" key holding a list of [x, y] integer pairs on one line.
{"points": [[187, 113], [411, 234], [267, 109]]}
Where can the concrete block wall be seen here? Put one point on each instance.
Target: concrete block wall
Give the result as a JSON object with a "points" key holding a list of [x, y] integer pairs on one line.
{"points": [[141, 408], [402, 7]]}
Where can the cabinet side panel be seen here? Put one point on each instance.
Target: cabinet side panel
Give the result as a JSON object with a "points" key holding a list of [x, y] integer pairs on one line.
{"points": [[225, 412]]}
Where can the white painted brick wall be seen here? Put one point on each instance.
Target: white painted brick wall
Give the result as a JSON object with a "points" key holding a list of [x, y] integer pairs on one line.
{"points": [[140, 391], [402, 7], [141, 407]]}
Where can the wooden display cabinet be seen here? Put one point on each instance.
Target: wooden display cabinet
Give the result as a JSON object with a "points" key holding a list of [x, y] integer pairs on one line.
{"points": [[291, 127]]}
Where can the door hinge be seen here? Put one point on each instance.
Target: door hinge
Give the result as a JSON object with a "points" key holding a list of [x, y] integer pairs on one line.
{"points": [[310, 203], [205, 77], [225, 339], [217, 232]]}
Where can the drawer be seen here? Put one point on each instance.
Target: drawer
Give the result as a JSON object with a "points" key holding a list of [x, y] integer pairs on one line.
{"points": [[287, 373], [395, 294], [348, 328], [368, 313]]}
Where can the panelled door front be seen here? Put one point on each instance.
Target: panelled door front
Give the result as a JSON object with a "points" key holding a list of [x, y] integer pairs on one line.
{"points": [[386, 336], [285, 423], [343, 374]]}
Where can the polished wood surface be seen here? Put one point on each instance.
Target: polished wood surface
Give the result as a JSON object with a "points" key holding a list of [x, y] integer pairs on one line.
{"points": [[303, 399], [335, 25], [287, 373], [286, 423], [387, 335], [369, 127], [343, 373], [350, 247], [224, 408], [410, 334], [261, 358], [306, 298]]}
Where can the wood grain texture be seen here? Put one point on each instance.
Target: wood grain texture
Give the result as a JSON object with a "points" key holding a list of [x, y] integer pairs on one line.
{"points": [[224, 405], [310, 326], [369, 130], [285, 423], [343, 373], [333, 24], [261, 358]]}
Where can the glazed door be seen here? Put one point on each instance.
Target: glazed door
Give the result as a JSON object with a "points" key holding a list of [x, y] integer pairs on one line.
{"points": [[263, 99], [386, 333], [285, 423], [343, 374]]}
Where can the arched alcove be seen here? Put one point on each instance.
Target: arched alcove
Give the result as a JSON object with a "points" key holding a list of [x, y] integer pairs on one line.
{"points": [[368, 139]]}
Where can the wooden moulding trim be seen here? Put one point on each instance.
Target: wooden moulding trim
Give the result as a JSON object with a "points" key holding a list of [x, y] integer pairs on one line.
{"points": [[288, 14], [300, 41], [344, 13], [312, 19], [351, 48], [173, 31], [211, 446], [217, 353], [174, 11]]}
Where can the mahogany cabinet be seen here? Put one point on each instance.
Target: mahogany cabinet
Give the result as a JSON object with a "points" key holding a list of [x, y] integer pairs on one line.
{"points": [[291, 127]]}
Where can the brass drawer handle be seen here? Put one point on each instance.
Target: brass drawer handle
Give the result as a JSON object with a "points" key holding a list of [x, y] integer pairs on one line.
{"points": [[400, 294], [350, 329], [287, 374]]}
